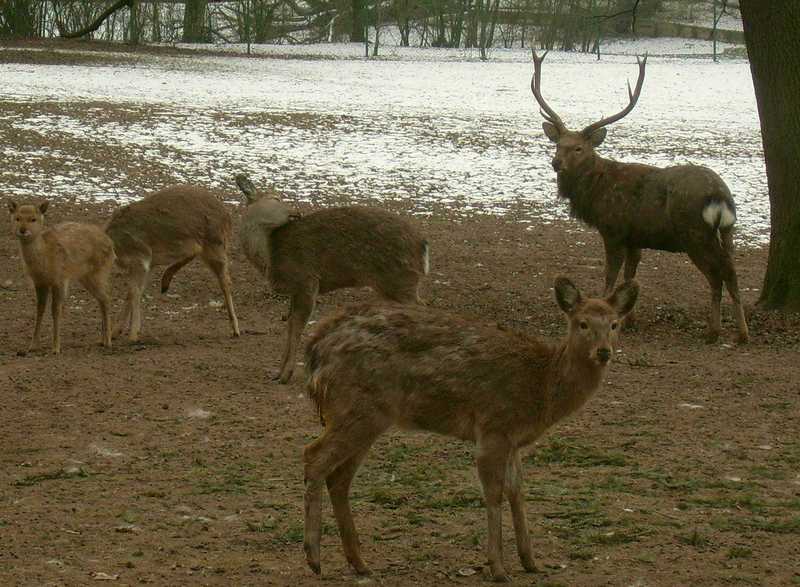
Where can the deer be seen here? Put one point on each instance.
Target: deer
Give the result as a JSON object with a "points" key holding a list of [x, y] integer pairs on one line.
{"points": [[372, 366], [683, 208], [305, 256], [170, 227], [54, 256]]}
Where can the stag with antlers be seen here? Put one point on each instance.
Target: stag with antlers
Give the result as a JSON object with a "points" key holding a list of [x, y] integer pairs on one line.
{"points": [[683, 208]]}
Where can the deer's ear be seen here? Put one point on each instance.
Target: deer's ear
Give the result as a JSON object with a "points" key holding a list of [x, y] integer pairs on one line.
{"points": [[12, 206], [567, 295], [247, 187], [624, 297], [598, 136], [43, 206], [551, 131]]}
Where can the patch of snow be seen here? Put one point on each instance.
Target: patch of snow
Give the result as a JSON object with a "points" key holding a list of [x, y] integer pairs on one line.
{"points": [[434, 126]]}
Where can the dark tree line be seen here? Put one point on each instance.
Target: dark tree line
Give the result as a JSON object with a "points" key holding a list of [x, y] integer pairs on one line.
{"points": [[562, 24]]}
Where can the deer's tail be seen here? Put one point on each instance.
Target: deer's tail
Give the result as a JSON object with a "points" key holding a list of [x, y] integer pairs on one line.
{"points": [[720, 215]]}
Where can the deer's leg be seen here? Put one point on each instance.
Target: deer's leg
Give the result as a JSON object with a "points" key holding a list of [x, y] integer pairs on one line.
{"points": [[342, 448], [42, 293], [615, 255], [632, 258], [59, 292], [513, 491], [732, 284], [217, 261], [339, 489], [97, 286], [302, 305], [710, 269], [493, 455], [170, 272], [138, 280]]}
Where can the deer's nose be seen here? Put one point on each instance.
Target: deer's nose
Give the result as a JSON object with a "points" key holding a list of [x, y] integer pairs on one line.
{"points": [[604, 355], [557, 165]]}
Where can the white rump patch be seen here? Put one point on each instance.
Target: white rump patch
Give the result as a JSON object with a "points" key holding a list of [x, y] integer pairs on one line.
{"points": [[719, 215]]}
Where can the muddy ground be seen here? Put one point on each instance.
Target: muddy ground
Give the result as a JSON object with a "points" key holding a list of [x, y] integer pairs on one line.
{"points": [[176, 460]]}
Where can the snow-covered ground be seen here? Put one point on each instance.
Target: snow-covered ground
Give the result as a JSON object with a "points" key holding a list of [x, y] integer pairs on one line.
{"points": [[433, 125]]}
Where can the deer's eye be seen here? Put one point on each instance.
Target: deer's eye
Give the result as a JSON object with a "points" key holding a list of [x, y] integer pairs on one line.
{"points": [[584, 326], [578, 149], [614, 325], [33, 219]]}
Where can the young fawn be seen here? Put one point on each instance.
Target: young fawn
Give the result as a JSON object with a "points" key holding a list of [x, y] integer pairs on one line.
{"points": [[370, 367], [352, 246], [170, 227], [684, 208], [55, 256]]}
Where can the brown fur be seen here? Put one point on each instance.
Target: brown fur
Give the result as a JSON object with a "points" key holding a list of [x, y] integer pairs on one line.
{"points": [[170, 227], [634, 206], [373, 366], [353, 246], [55, 256]]}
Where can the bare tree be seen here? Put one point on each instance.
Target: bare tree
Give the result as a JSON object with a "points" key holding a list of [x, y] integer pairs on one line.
{"points": [[771, 33]]}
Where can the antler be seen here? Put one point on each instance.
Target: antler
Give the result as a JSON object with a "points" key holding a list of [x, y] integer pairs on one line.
{"points": [[547, 113], [632, 96]]}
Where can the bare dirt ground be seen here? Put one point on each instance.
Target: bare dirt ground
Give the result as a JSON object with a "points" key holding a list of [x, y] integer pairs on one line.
{"points": [[176, 461]]}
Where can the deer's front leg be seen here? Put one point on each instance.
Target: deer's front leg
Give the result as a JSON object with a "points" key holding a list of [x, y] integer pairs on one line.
{"points": [[516, 499], [615, 255], [493, 454]]}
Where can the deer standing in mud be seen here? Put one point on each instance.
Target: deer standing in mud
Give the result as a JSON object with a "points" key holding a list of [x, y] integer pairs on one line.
{"points": [[55, 256], [351, 246], [683, 208], [170, 227], [373, 366]]}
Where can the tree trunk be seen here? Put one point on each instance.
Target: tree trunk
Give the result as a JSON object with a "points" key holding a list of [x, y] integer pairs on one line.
{"points": [[194, 22], [770, 31], [357, 30]]}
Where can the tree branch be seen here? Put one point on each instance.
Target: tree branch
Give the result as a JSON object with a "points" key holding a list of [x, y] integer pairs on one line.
{"points": [[119, 4]]}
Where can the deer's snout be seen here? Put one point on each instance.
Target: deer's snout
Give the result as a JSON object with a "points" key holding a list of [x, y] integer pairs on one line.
{"points": [[604, 355], [22, 231], [556, 164]]}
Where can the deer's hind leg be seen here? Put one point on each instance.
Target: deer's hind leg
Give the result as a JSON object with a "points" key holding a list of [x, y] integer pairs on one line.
{"points": [[216, 257], [59, 293], [732, 284], [97, 285], [706, 263], [170, 272], [42, 293], [333, 459]]}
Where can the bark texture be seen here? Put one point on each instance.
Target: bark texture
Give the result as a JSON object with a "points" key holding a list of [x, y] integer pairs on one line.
{"points": [[772, 34]]}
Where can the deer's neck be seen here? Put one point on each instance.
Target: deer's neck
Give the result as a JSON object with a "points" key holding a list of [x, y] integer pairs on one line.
{"points": [[585, 189], [255, 241], [34, 254], [575, 380]]}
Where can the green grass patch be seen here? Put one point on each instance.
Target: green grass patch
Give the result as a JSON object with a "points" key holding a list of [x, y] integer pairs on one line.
{"points": [[562, 452], [31, 480], [739, 552], [695, 539]]}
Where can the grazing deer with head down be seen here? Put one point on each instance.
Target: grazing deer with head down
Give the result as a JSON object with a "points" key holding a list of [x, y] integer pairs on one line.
{"points": [[170, 227], [351, 246], [370, 367], [57, 255], [684, 208]]}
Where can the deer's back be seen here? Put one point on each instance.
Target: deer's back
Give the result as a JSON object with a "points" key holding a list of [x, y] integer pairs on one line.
{"points": [[178, 214], [347, 247], [423, 368], [649, 207], [71, 250]]}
